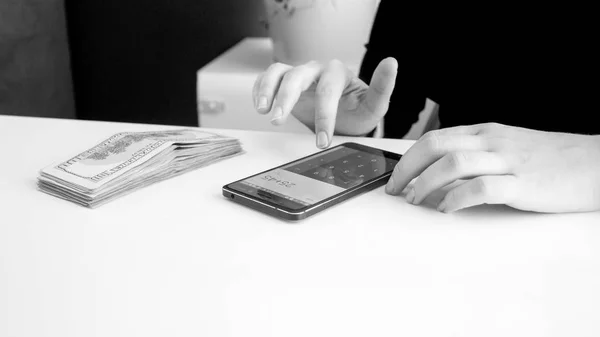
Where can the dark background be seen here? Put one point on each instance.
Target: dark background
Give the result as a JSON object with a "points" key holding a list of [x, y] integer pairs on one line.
{"points": [[136, 60], [35, 76]]}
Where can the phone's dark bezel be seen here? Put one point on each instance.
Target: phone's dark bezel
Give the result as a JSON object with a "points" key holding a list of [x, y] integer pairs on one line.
{"points": [[298, 214]]}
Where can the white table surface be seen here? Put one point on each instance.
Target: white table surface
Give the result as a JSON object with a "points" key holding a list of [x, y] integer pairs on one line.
{"points": [[178, 259]]}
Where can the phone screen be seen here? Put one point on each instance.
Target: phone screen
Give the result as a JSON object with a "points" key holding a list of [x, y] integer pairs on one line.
{"points": [[313, 179]]}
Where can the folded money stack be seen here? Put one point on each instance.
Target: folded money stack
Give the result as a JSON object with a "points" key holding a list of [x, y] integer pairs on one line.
{"points": [[131, 160]]}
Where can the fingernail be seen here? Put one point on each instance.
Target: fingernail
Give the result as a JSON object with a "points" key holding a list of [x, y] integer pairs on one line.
{"points": [[442, 206], [410, 197], [389, 188], [262, 103], [322, 139], [277, 115]]}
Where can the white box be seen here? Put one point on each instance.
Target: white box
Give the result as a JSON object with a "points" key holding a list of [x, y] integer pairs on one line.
{"points": [[224, 89]]}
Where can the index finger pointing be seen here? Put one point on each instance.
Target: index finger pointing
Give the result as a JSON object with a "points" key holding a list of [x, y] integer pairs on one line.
{"points": [[328, 93]]}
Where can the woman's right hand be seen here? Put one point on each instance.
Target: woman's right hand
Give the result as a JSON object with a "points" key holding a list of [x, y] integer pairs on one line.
{"points": [[327, 98]]}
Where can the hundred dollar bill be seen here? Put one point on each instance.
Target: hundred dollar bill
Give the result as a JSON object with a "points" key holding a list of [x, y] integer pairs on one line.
{"points": [[126, 152], [131, 184]]}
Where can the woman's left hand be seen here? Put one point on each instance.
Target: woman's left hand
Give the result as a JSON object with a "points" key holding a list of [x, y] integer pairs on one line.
{"points": [[522, 168]]}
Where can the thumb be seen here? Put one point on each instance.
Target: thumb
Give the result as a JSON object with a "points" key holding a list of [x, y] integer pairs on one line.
{"points": [[381, 87]]}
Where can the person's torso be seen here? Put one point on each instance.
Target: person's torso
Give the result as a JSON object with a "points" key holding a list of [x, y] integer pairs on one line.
{"points": [[526, 66]]}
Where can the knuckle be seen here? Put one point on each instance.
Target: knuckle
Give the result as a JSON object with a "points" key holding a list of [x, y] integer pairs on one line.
{"points": [[457, 160], [322, 118], [431, 142], [324, 89], [452, 197], [429, 134], [480, 187], [419, 185], [335, 63], [491, 127], [379, 88], [398, 168], [292, 76], [276, 66]]}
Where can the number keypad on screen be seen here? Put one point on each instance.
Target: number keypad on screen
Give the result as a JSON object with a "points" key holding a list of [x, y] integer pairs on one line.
{"points": [[347, 170]]}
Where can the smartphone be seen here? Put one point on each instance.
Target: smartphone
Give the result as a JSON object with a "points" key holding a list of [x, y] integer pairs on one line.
{"points": [[306, 186]]}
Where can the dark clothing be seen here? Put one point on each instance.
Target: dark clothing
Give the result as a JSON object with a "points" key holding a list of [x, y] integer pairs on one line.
{"points": [[522, 65]]}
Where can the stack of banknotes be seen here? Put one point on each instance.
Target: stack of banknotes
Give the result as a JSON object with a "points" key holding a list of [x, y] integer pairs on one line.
{"points": [[129, 161]]}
